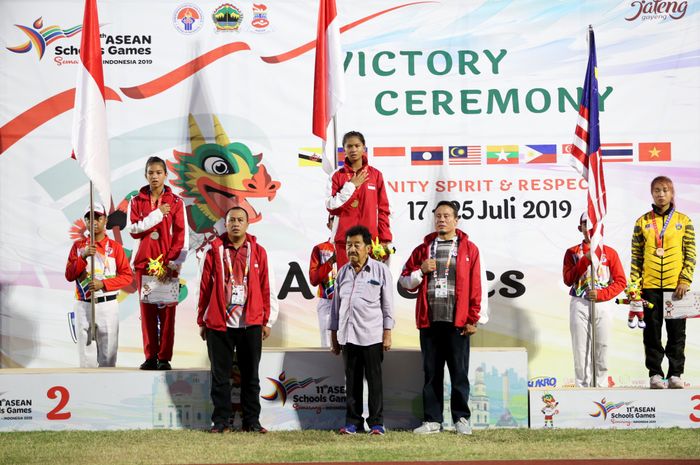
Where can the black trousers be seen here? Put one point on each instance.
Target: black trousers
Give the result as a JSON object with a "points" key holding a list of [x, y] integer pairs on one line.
{"points": [[247, 342], [675, 342], [440, 344], [363, 362]]}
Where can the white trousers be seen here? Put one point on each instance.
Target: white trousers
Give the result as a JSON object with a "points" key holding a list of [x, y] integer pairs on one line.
{"points": [[103, 351], [579, 324], [324, 319]]}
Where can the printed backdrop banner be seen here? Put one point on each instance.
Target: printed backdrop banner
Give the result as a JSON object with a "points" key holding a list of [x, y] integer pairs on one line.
{"points": [[474, 102]]}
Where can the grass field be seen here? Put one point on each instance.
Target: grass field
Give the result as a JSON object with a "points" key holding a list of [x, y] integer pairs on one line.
{"points": [[172, 447]]}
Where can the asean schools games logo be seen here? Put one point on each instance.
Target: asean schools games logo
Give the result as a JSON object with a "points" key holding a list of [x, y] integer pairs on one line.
{"points": [[188, 18], [40, 37], [285, 386]]}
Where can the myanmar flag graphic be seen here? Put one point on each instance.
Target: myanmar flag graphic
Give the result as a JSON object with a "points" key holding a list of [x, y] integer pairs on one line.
{"points": [[502, 154]]}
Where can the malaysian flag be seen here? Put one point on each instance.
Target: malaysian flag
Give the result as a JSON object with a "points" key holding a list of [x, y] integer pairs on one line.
{"points": [[465, 155], [586, 156]]}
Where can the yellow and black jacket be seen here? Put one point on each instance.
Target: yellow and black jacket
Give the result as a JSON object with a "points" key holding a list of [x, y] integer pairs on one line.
{"points": [[678, 261]]}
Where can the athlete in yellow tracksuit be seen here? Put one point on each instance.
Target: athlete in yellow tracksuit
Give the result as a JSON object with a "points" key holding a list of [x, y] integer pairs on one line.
{"points": [[663, 255]]}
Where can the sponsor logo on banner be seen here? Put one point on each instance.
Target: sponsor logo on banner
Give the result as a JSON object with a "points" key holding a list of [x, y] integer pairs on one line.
{"points": [[654, 151], [542, 381], [260, 21], [646, 10], [542, 153], [502, 154], [312, 393], [227, 17], [625, 413], [426, 155], [188, 18], [465, 155], [40, 37]]}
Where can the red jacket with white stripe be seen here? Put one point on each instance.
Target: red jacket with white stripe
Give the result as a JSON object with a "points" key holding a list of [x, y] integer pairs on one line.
{"points": [[155, 233], [366, 205], [111, 266], [260, 307], [467, 282]]}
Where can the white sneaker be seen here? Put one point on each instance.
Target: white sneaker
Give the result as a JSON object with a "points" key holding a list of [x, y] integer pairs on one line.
{"points": [[631, 323], [675, 382], [641, 324], [655, 382], [463, 427], [428, 427]]}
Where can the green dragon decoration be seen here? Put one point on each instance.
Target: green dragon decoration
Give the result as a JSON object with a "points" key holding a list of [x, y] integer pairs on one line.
{"points": [[219, 176]]}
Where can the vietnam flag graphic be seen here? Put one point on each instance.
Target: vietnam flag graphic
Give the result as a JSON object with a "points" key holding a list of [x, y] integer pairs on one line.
{"points": [[654, 151]]}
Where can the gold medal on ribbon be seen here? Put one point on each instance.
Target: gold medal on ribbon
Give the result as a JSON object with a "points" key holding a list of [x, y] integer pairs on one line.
{"points": [[155, 235], [355, 203], [660, 252]]}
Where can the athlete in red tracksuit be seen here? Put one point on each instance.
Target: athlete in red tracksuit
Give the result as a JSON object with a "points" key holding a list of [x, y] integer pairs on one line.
{"points": [[356, 196], [158, 223]]}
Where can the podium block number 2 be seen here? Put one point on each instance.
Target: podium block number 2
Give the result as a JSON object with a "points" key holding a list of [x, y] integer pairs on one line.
{"points": [[62, 394]]}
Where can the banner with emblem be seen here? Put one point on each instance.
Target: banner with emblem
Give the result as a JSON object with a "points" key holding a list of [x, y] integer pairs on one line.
{"points": [[454, 106]]}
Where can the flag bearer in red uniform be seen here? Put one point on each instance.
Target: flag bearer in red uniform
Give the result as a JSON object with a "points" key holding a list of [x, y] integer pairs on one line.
{"points": [[112, 272]]}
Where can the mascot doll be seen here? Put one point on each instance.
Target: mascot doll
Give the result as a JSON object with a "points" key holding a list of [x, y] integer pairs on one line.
{"points": [[636, 303]]}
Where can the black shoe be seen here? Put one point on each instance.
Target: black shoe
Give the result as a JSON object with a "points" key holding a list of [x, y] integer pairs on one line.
{"points": [[164, 365], [219, 429], [150, 364], [254, 429]]}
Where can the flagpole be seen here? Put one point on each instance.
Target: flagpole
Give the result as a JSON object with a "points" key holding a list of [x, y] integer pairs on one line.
{"points": [[335, 143], [92, 329], [592, 323]]}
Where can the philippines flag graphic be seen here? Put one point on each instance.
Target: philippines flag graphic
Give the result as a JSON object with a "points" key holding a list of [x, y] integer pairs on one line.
{"points": [[544, 153]]}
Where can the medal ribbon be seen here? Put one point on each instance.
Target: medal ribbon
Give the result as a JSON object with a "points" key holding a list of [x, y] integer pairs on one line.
{"points": [[660, 236]]}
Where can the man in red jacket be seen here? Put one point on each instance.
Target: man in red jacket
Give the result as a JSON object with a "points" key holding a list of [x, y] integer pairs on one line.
{"points": [[610, 281], [112, 272], [446, 271], [158, 224], [236, 311], [356, 196]]}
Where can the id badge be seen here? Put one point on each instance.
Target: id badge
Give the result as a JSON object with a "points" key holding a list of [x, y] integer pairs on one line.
{"points": [[441, 288], [238, 295]]}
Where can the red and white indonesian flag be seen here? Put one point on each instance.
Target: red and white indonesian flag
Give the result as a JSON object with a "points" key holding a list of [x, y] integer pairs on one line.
{"points": [[90, 116], [329, 82]]}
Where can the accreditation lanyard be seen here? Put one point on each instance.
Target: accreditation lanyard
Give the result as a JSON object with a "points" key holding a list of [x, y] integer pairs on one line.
{"points": [[229, 259], [433, 254], [660, 235]]}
